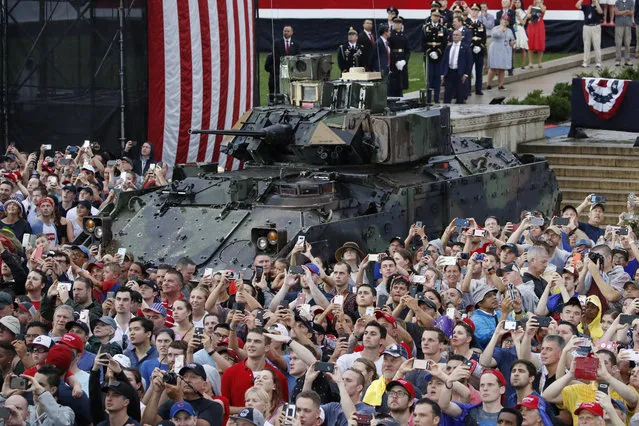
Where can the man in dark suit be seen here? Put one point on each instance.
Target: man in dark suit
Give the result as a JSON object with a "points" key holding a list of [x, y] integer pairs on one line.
{"points": [[466, 33], [283, 47], [366, 39], [505, 8], [380, 59], [458, 61]]}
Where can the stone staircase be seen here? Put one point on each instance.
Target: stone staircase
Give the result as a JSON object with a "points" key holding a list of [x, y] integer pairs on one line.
{"points": [[606, 168]]}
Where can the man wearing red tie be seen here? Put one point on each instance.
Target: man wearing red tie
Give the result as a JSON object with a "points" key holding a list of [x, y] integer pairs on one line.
{"points": [[458, 61], [283, 47], [380, 59], [367, 40]]}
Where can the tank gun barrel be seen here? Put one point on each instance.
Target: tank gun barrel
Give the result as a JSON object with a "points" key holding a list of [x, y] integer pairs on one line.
{"points": [[227, 132], [275, 133]]}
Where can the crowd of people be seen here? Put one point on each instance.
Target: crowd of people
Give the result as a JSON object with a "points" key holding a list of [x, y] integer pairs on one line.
{"points": [[529, 322]]}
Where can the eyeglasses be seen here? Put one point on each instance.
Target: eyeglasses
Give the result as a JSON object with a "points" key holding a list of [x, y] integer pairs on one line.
{"points": [[220, 336], [398, 394], [39, 350]]}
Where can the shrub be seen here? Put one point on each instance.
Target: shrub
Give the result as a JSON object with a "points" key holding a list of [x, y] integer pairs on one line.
{"points": [[512, 101], [559, 107]]}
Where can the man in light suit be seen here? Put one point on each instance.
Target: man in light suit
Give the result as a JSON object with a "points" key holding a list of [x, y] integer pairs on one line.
{"points": [[458, 61]]}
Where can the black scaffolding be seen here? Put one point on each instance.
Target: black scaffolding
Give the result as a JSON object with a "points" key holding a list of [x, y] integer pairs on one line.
{"points": [[73, 70]]}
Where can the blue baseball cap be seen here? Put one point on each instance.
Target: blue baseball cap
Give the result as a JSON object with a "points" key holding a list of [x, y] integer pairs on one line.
{"points": [[182, 406], [313, 268]]}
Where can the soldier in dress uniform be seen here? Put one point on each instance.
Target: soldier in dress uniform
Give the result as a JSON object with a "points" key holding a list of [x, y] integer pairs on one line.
{"points": [[400, 53], [477, 45], [446, 14], [392, 12], [435, 5], [350, 54], [434, 40]]}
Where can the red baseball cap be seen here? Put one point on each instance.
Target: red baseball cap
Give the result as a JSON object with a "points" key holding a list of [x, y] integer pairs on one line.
{"points": [[73, 341], [592, 407], [530, 401], [403, 383], [470, 323], [60, 356], [496, 373], [381, 314]]}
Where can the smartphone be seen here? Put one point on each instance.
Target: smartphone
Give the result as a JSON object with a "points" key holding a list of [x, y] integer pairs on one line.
{"points": [[151, 167], [543, 321], [597, 199], [86, 144], [305, 309], [561, 221], [468, 363], [301, 240], [628, 216], [5, 413], [623, 231], [259, 270], [634, 355], [64, 287], [112, 163], [38, 253], [419, 279], [122, 253], [325, 367], [537, 221], [18, 383], [26, 238], [373, 257], [479, 256], [72, 149], [479, 233], [418, 224], [464, 256], [338, 300], [448, 260], [290, 410], [295, 270], [510, 288], [198, 331], [239, 306], [46, 147], [363, 419], [84, 317], [370, 311], [413, 291], [208, 272], [260, 318], [603, 387], [64, 161], [178, 363], [450, 313], [421, 364], [627, 319], [110, 294], [510, 325], [462, 223]]}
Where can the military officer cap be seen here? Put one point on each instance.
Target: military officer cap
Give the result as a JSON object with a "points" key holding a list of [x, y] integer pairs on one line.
{"points": [[352, 30], [475, 6], [435, 5], [435, 12], [392, 9], [398, 19], [457, 9]]}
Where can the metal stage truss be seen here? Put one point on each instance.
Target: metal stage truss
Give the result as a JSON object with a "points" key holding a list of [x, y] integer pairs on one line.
{"points": [[73, 70]]}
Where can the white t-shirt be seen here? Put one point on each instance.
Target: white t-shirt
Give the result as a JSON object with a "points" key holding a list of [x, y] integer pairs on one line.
{"points": [[346, 361]]}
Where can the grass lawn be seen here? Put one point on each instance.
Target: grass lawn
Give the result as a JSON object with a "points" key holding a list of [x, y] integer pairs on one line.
{"points": [[415, 70]]}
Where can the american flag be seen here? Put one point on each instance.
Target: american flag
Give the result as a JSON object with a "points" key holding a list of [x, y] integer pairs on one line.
{"points": [[201, 73]]}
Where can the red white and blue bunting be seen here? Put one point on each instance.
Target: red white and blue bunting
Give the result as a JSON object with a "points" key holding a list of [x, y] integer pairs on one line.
{"points": [[604, 96]]}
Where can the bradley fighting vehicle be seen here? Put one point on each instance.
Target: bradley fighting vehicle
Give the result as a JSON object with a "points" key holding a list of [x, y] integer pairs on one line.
{"points": [[336, 165]]}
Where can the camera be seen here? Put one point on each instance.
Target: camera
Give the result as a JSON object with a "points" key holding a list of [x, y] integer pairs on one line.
{"points": [[170, 378], [18, 383], [596, 258]]}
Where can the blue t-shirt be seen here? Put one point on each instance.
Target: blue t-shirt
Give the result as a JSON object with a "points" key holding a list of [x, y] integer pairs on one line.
{"points": [[85, 363], [129, 421], [593, 232], [505, 359], [80, 406], [146, 370], [631, 267]]}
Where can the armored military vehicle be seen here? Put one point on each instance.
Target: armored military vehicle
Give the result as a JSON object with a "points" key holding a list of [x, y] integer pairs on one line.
{"points": [[329, 174]]}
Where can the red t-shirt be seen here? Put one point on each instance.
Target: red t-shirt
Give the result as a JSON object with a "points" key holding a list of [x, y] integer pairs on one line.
{"points": [[237, 379]]}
